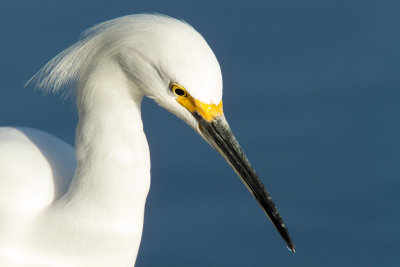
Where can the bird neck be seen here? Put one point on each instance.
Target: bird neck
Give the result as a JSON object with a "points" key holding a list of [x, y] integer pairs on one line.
{"points": [[112, 177]]}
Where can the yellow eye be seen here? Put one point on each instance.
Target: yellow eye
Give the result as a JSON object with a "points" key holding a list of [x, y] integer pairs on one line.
{"points": [[178, 90]]}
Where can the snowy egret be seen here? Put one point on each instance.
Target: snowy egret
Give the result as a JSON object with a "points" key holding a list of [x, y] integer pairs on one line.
{"points": [[55, 214]]}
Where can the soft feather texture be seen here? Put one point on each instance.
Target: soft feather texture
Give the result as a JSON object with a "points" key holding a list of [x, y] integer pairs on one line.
{"points": [[170, 47]]}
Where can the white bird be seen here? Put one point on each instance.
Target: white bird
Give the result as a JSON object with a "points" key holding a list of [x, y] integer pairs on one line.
{"points": [[60, 208]]}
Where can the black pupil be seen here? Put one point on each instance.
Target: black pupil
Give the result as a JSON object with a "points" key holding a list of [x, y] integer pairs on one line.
{"points": [[179, 92]]}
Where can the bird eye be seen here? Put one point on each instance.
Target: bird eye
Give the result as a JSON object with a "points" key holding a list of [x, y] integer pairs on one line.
{"points": [[179, 92], [177, 89]]}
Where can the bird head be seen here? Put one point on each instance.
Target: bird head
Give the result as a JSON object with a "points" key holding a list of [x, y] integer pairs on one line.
{"points": [[170, 62]]}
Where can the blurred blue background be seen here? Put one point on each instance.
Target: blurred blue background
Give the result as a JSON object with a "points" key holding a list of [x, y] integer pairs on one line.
{"points": [[311, 89]]}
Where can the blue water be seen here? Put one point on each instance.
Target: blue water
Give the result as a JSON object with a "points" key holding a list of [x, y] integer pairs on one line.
{"points": [[312, 91]]}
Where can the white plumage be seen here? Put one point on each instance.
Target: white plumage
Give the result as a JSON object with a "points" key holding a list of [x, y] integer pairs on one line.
{"points": [[53, 214]]}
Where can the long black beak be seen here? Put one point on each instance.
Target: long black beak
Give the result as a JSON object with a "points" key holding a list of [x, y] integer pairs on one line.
{"points": [[220, 136]]}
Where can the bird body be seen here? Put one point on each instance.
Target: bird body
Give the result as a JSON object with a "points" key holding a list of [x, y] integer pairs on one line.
{"points": [[57, 214], [98, 221]]}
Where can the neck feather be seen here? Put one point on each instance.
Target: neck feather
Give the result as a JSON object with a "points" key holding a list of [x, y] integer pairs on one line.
{"points": [[113, 163]]}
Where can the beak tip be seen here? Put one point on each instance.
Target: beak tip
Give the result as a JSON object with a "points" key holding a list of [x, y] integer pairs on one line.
{"points": [[288, 240], [291, 248]]}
